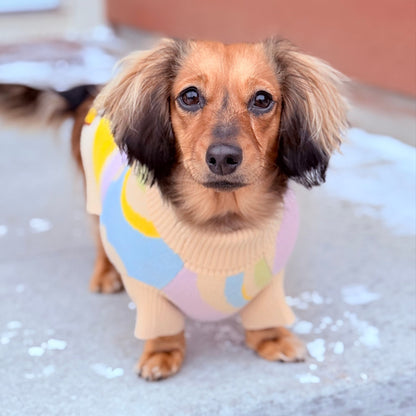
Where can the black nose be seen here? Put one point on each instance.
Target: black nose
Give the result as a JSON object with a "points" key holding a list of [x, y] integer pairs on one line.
{"points": [[223, 159]]}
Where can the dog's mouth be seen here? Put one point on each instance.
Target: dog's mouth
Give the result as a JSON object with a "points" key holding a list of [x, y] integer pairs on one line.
{"points": [[226, 186]]}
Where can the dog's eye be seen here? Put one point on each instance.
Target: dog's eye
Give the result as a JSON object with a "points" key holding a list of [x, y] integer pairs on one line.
{"points": [[190, 99], [262, 102]]}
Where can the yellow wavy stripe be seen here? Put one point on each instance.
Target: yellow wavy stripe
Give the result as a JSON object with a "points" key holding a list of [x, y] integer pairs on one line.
{"points": [[138, 222], [245, 294], [89, 118], [104, 145]]}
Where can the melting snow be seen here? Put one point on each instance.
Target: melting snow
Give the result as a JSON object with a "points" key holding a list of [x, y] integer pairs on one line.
{"points": [[368, 334], [107, 372], [339, 348], [303, 327], [3, 230], [36, 351], [39, 225], [317, 349], [51, 344], [368, 167], [48, 370], [94, 66], [305, 299], [4, 340], [308, 378], [14, 325], [56, 344], [358, 295]]}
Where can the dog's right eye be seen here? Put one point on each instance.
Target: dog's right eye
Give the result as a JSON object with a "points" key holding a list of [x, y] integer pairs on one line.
{"points": [[190, 99]]}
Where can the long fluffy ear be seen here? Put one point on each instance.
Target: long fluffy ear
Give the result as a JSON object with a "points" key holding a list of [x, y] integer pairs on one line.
{"points": [[313, 118], [137, 103]]}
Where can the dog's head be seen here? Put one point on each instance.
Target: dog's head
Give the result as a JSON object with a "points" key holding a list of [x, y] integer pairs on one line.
{"points": [[229, 117]]}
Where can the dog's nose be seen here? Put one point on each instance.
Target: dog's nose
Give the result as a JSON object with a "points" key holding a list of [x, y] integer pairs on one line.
{"points": [[223, 159]]}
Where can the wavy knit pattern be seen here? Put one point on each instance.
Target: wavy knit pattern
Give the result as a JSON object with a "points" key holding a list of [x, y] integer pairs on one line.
{"points": [[207, 275]]}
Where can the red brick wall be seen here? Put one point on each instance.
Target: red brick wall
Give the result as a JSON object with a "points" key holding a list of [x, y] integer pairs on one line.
{"points": [[371, 41]]}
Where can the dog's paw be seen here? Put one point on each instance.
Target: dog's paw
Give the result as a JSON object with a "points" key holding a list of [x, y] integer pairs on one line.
{"points": [[162, 357], [276, 344], [108, 281], [160, 365]]}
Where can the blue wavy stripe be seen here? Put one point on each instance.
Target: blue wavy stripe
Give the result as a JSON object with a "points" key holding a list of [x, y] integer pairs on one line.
{"points": [[233, 290], [149, 260]]}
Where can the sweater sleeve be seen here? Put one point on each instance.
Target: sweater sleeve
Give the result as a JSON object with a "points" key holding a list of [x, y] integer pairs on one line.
{"points": [[269, 308]]}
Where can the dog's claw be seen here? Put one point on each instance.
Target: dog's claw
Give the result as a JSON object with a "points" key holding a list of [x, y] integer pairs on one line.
{"points": [[276, 344], [159, 365]]}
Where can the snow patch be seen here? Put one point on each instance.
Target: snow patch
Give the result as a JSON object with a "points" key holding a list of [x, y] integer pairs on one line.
{"points": [[48, 370], [56, 344], [307, 298], [369, 165], [40, 225], [358, 295], [14, 325], [368, 334], [339, 348], [317, 349], [308, 378], [4, 340], [36, 351], [107, 372], [303, 327], [3, 230]]}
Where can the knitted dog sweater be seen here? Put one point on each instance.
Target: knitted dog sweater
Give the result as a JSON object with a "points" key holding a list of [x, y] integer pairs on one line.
{"points": [[169, 267]]}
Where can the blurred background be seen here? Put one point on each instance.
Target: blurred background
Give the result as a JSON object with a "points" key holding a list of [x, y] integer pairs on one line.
{"points": [[351, 280], [372, 42]]}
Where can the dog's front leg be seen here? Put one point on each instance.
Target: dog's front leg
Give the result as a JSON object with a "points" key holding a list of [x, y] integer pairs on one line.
{"points": [[162, 357], [161, 324], [264, 320]]}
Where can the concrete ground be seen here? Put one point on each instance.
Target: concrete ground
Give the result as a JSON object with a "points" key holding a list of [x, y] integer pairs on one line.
{"points": [[351, 282]]}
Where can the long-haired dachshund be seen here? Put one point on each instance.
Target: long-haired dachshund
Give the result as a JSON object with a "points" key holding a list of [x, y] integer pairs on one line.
{"points": [[188, 153]]}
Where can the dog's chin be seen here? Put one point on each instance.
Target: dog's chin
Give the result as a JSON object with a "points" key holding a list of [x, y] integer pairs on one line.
{"points": [[224, 186]]}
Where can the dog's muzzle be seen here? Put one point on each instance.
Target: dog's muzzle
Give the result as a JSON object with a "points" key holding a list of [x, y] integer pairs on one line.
{"points": [[223, 159]]}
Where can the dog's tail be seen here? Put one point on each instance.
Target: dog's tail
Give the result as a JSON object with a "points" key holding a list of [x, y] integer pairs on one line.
{"points": [[41, 107], [21, 102]]}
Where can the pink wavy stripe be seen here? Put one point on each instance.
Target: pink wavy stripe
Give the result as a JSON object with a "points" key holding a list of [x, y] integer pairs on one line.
{"points": [[286, 238], [184, 293], [114, 162]]}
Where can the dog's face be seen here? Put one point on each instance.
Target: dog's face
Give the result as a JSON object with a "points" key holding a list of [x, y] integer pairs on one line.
{"points": [[221, 128], [225, 112]]}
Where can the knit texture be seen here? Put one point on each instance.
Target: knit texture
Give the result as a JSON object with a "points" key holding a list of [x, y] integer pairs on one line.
{"points": [[164, 261]]}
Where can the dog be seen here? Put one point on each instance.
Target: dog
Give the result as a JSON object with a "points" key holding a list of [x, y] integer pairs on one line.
{"points": [[188, 154]]}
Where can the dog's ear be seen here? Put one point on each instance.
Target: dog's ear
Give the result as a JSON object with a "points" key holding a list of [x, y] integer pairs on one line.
{"points": [[313, 116], [137, 103]]}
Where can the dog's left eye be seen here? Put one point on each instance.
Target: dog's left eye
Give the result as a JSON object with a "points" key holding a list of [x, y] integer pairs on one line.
{"points": [[262, 102], [190, 99]]}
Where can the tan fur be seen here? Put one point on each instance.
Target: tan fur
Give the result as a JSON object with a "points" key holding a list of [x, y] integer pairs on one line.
{"points": [[320, 87], [276, 344], [238, 71], [121, 98], [162, 357], [228, 76]]}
